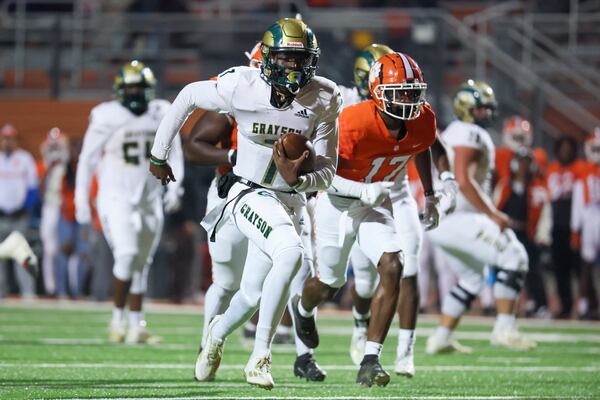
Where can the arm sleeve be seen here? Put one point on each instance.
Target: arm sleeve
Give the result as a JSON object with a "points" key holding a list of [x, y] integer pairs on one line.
{"points": [[325, 143], [345, 187], [543, 232], [208, 95], [577, 204], [96, 136]]}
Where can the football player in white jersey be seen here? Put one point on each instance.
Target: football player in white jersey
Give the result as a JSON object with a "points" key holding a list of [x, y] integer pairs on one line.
{"points": [[477, 234], [130, 202], [265, 193], [409, 231], [213, 141]]}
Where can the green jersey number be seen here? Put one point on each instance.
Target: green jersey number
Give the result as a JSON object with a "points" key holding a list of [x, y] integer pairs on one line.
{"points": [[131, 152]]}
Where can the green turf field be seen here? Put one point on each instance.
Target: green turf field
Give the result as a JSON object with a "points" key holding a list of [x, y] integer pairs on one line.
{"points": [[52, 350]]}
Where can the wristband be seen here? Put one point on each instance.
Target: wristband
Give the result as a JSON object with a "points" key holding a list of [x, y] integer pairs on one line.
{"points": [[156, 161], [446, 175]]}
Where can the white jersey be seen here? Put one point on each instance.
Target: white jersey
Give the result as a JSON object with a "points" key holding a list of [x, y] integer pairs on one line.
{"points": [[116, 147], [463, 134], [18, 175], [350, 95], [241, 92]]}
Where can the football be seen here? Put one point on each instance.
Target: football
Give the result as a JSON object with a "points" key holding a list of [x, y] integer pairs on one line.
{"points": [[294, 145]]}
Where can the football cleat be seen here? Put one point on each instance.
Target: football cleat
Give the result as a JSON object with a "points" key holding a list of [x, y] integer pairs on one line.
{"points": [[306, 328], [371, 372], [511, 338], [258, 372], [209, 359], [284, 338], [405, 365], [140, 335], [117, 331], [357, 344], [435, 345], [15, 246], [306, 367]]}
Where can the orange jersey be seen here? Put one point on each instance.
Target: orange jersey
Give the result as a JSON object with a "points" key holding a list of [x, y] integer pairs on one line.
{"points": [[504, 155], [368, 153], [560, 179]]}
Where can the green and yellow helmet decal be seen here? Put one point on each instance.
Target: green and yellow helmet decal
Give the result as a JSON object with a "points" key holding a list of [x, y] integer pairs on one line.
{"points": [[472, 94], [363, 63], [289, 35], [134, 86]]}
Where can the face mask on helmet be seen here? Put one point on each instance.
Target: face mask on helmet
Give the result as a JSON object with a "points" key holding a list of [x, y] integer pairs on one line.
{"points": [[397, 87], [363, 64], [134, 87], [289, 58]]}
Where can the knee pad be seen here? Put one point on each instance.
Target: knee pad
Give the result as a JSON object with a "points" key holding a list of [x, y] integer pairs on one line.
{"points": [[508, 283], [365, 283], [139, 282], [457, 301], [123, 267]]}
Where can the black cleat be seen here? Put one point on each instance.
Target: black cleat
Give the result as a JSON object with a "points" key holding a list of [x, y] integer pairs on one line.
{"points": [[284, 338], [306, 367], [371, 372], [306, 328]]}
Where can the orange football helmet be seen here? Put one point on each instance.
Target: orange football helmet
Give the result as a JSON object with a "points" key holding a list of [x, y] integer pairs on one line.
{"points": [[8, 130], [591, 146], [255, 55], [397, 86], [517, 132]]}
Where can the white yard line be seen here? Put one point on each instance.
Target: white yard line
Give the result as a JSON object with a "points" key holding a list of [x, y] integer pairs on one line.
{"points": [[429, 368], [196, 309]]}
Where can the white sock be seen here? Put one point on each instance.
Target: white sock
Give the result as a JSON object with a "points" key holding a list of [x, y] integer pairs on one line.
{"points": [[373, 348], [504, 321], [442, 333], [406, 342], [303, 312], [301, 348], [251, 326], [262, 342], [135, 318], [118, 314], [283, 330], [582, 306]]}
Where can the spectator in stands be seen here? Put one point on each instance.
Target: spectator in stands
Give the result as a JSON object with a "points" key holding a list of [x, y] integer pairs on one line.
{"points": [[55, 154], [73, 258], [560, 179], [585, 225], [18, 195], [524, 198]]}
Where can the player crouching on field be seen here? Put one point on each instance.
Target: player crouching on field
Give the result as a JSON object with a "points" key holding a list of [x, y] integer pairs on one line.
{"points": [[377, 139], [477, 233]]}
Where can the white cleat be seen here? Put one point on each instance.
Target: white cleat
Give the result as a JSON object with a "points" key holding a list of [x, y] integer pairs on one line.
{"points": [[357, 344], [209, 359], [117, 331], [140, 335], [15, 246], [258, 372], [512, 339], [405, 365], [435, 345]]}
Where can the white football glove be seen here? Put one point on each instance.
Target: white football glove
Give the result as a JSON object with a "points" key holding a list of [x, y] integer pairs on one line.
{"points": [[83, 214], [450, 190], [172, 199], [373, 194], [431, 215]]}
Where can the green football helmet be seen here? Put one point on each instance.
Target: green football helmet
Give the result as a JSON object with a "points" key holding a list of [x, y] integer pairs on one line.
{"points": [[134, 86], [289, 37], [471, 95], [362, 66]]}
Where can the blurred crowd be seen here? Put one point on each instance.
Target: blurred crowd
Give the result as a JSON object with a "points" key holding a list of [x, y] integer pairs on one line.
{"points": [[552, 199]]}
